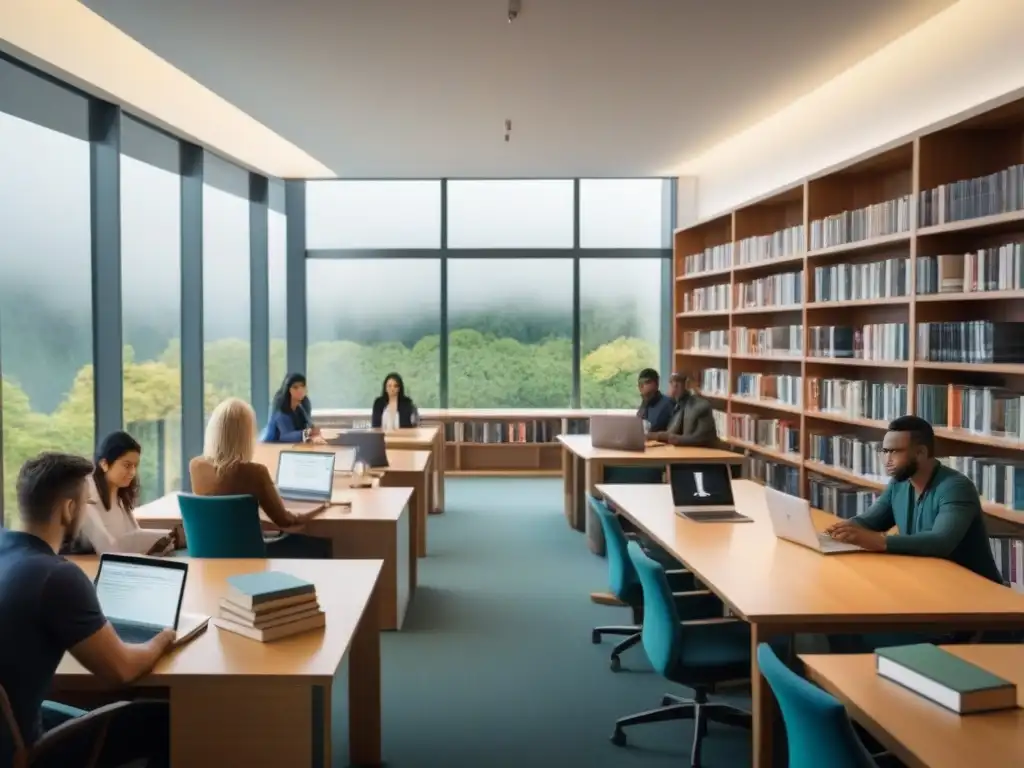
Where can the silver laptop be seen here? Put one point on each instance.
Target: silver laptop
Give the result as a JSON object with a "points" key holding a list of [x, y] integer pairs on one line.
{"points": [[703, 493], [617, 432], [141, 597], [305, 479], [791, 520]]}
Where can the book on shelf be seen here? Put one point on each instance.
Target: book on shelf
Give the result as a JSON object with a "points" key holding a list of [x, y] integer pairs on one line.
{"points": [[710, 260], [1000, 268], [269, 605], [1009, 556], [710, 298], [989, 411], [781, 388], [705, 341], [858, 282], [721, 426], [876, 400], [874, 341], [840, 499], [530, 431], [776, 434], [777, 245], [780, 291], [885, 218], [714, 382], [999, 481], [989, 195], [781, 477], [848, 453], [948, 680], [973, 341], [778, 341]]}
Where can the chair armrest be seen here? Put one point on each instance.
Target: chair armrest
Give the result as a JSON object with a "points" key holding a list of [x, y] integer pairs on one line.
{"points": [[678, 572], [97, 720], [607, 598], [716, 621]]}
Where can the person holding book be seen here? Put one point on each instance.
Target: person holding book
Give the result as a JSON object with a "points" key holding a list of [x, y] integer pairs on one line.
{"points": [[49, 607], [394, 409], [112, 493], [291, 414], [226, 468], [691, 421]]}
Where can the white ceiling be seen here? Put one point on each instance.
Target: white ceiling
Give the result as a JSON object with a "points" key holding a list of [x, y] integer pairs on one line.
{"points": [[422, 88]]}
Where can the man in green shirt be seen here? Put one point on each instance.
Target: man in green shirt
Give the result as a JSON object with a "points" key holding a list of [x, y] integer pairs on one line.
{"points": [[936, 509]]}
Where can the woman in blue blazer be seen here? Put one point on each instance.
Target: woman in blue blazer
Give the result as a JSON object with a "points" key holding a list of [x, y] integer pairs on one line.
{"points": [[291, 419]]}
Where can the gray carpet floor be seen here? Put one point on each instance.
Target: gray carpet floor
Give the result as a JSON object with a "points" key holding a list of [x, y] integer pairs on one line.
{"points": [[495, 667]]}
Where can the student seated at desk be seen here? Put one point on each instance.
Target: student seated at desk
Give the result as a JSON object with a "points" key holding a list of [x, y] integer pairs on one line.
{"points": [[290, 419], [226, 468], [655, 408], [691, 421], [48, 607], [112, 490], [394, 409]]}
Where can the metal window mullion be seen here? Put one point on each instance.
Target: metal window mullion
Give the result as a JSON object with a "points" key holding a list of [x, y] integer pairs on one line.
{"points": [[259, 302], [577, 356], [443, 331], [192, 353], [295, 272]]}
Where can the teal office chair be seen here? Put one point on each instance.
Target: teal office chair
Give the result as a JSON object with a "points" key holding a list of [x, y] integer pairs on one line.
{"points": [[818, 730], [619, 476], [222, 526], [695, 654], [624, 585]]}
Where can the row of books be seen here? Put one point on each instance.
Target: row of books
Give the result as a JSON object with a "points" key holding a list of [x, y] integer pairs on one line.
{"points": [[710, 260], [269, 605], [778, 341], [535, 431], [781, 477], [782, 290], [848, 452], [994, 193], [777, 434], [841, 499], [721, 425], [999, 481], [876, 220], [973, 341], [1009, 557], [990, 411], [777, 245], [1000, 268], [710, 298], [705, 341], [856, 282], [875, 341], [714, 381], [879, 400], [781, 388]]}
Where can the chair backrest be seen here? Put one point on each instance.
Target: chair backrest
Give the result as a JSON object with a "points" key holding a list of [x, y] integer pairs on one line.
{"points": [[269, 433], [222, 526], [622, 579], [661, 634], [818, 729]]}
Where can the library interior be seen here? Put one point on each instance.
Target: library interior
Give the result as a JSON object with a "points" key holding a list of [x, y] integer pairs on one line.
{"points": [[505, 382]]}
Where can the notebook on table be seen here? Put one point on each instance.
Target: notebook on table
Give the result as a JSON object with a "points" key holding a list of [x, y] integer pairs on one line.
{"points": [[305, 480]]}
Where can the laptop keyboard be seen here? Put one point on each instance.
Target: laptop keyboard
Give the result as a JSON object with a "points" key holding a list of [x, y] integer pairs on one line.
{"points": [[827, 542], [133, 634]]}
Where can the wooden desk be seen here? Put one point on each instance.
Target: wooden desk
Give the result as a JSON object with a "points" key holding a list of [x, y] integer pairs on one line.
{"points": [[922, 734], [780, 588], [583, 468], [377, 526], [235, 701], [424, 439]]}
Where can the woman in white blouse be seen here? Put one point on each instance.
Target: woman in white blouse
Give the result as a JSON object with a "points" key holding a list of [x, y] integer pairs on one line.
{"points": [[393, 409], [113, 492]]}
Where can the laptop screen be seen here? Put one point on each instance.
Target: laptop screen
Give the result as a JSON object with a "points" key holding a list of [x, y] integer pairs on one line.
{"points": [[306, 472], [140, 593], [700, 485]]}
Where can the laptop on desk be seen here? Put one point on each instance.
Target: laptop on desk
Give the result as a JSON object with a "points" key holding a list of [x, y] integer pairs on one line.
{"points": [[791, 520], [703, 493], [141, 597], [617, 432], [370, 447], [305, 480]]}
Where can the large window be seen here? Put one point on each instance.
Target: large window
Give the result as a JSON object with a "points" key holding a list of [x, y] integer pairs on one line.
{"points": [[151, 303], [277, 262], [620, 328], [367, 318], [45, 273], [510, 333], [621, 213], [226, 297], [373, 214], [510, 214]]}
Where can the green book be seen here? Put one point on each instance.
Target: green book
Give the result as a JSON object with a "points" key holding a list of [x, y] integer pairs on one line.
{"points": [[945, 678], [250, 590]]}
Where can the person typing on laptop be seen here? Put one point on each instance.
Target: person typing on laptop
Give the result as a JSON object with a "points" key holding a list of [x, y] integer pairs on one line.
{"points": [[692, 420], [49, 607]]}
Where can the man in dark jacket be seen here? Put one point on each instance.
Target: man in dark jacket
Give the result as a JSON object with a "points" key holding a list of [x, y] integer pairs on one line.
{"points": [[692, 421], [655, 408]]}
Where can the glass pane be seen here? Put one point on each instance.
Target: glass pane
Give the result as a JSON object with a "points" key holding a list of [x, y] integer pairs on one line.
{"points": [[151, 299], [277, 262], [373, 214], [392, 322], [510, 333], [45, 293], [620, 328], [226, 318], [621, 213], [513, 213]]}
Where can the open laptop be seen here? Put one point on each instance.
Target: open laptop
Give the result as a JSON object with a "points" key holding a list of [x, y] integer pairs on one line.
{"points": [[370, 447], [703, 493], [617, 432], [791, 520], [305, 479], [141, 597]]}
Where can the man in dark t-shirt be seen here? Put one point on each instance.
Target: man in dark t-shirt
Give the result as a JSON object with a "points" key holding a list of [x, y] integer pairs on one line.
{"points": [[48, 607]]}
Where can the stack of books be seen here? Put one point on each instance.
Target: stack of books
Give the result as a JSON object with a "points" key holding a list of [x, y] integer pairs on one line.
{"points": [[269, 605]]}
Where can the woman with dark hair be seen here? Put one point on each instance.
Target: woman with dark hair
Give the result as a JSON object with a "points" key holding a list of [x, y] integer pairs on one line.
{"points": [[291, 415], [394, 409], [113, 493]]}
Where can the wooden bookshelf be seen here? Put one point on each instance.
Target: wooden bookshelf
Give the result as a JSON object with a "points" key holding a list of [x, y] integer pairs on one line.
{"points": [[947, 193]]}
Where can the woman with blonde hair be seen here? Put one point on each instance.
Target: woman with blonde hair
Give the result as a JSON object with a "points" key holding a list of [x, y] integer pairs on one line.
{"points": [[226, 468]]}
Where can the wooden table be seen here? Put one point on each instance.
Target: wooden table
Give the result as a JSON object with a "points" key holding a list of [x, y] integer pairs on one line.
{"points": [[431, 439], [377, 526], [920, 733], [780, 588], [583, 468], [235, 701], [406, 469]]}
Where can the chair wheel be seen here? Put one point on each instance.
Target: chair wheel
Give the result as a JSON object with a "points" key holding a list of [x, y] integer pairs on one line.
{"points": [[619, 738], [615, 664], [595, 637]]}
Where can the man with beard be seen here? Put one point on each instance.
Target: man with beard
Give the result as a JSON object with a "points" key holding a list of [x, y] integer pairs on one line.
{"points": [[692, 421], [936, 509]]}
